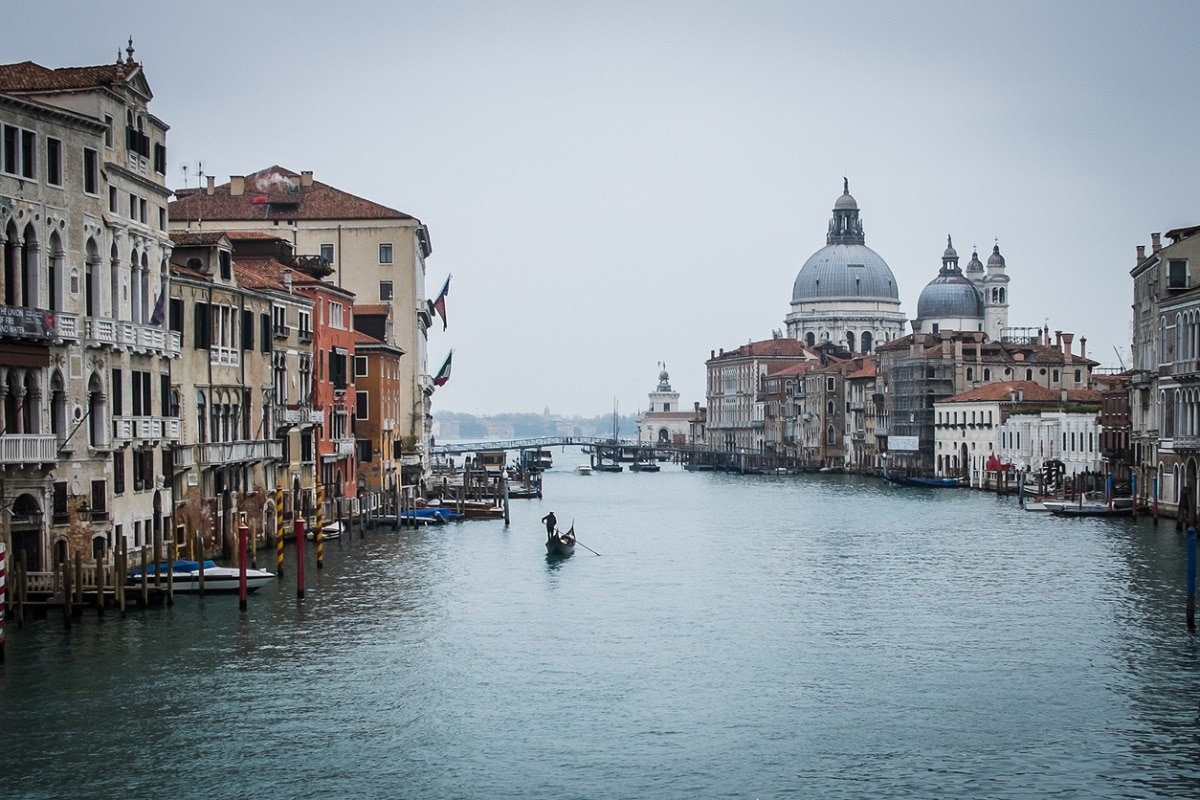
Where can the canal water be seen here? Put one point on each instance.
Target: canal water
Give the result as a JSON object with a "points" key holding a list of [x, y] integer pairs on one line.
{"points": [[736, 637]]}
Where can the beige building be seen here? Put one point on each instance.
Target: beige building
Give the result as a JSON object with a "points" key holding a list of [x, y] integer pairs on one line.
{"points": [[375, 252], [85, 365]]}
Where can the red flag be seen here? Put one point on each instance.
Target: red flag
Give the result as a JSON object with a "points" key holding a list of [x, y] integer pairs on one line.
{"points": [[439, 305]]}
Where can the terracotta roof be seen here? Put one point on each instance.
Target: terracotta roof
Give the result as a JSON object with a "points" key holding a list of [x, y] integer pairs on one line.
{"points": [[364, 338], [783, 346], [27, 76], [372, 309], [248, 236], [189, 239], [867, 368], [276, 193], [180, 269], [1002, 391], [790, 369], [267, 273]]}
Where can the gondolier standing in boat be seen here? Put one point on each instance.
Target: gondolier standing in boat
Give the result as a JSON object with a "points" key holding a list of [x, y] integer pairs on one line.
{"points": [[551, 523]]}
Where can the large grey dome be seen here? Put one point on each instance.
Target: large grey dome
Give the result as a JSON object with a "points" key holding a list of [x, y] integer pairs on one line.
{"points": [[950, 295], [845, 268], [851, 271]]}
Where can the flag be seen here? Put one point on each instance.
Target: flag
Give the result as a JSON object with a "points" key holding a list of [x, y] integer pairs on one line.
{"points": [[443, 373], [439, 305], [157, 318]]}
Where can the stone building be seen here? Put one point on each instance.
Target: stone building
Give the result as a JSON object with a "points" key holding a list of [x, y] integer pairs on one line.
{"points": [[374, 252], [664, 421], [735, 411], [85, 364]]}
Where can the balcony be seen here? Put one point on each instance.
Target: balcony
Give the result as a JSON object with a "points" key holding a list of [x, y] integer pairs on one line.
{"points": [[304, 335], [127, 429], [27, 324], [281, 331], [101, 332], [218, 453], [24, 448], [344, 447], [1187, 443], [185, 458], [66, 326]]}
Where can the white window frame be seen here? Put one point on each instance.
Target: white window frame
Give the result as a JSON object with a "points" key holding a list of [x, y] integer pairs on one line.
{"points": [[389, 251], [361, 370], [327, 248]]}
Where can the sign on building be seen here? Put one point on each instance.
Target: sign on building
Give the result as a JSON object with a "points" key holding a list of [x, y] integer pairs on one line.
{"points": [[908, 444]]}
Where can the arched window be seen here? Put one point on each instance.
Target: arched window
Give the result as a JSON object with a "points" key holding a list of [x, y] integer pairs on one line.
{"points": [[970, 374], [810, 339], [850, 340], [867, 342], [201, 418]]}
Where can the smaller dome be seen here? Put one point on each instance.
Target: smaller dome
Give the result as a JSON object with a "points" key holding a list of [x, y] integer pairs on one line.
{"points": [[846, 201], [974, 265], [995, 259], [950, 295], [950, 251]]}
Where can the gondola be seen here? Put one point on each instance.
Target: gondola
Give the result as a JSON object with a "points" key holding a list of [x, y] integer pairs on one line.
{"points": [[561, 545]]}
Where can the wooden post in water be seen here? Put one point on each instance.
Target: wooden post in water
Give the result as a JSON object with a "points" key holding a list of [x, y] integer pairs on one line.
{"points": [[1133, 498], [279, 530], [300, 551], [1191, 577], [504, 493], [22, 590], [200, 564], [145, 576], [3, 609], [100, 587], [243, 535], [318, 537], [121, 572], [158, 554], [66, 587], [1154, 498], [79, 581], [174, 555]]}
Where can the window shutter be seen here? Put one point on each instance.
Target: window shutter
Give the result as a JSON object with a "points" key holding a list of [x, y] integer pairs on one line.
{"points": [[201, 311], [267, 333], [247, 330]]}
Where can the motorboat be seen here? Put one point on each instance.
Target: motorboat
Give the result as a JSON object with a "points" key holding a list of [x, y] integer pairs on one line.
{"points": [[584, 469], [330, 530], [185, 576]]}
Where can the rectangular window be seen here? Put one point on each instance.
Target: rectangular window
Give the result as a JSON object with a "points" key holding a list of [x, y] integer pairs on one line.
{"points": [[133, 206], [327, 253], [175, 315], [91, 171], [160, 159], [305, 325], [385, 254], [364, 450], [385, 290], [28, 155], [360, 366], [361, 400], [118, 401], [108, 129], [99, 496], [119, 472], [112, 199], [54, 175], [247, 330], [142, 210], [162, 218], [337, 316], [1177, 274]]}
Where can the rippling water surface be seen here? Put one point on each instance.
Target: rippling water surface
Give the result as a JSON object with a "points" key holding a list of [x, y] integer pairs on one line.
{"points": [[757, 637]]}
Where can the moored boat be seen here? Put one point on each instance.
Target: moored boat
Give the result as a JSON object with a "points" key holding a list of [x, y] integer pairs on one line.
{"points": [[185, 576], [584, 469]]}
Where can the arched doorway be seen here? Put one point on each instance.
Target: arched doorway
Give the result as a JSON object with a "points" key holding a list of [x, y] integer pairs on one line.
{"points": [[25, 527]]}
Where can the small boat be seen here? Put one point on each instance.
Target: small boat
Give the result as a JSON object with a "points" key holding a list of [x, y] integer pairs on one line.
{"points": [[1091, 510], [644, 466], [185, 576], [915, 480], [608, 466], [584, 469], [331, 530], [561, 544]]}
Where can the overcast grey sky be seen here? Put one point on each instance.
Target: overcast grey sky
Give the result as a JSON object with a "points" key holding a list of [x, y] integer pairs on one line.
{"points": [[618, 184]]}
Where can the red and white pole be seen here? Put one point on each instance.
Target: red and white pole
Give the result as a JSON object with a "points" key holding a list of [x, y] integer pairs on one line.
{"points": [[3, 608]]}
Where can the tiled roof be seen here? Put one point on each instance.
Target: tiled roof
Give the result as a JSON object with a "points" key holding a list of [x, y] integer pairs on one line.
{"points": [[783, 346], [1002, 391], [248, 236], [267, 273], [27, 76], [791, 369], [364, 338], [190, 239], [276, 193], [372, 309]]}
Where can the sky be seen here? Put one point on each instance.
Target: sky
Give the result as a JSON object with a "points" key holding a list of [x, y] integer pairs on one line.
{"points": [[617, 185]]}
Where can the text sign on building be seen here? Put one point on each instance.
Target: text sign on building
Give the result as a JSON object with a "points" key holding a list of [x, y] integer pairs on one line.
{"points": [[908, 444], [26, 323]]}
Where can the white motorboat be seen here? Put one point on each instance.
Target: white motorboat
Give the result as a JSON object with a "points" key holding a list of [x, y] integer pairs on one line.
{"points": [[185, 576], [584, 469], [331, 530]]}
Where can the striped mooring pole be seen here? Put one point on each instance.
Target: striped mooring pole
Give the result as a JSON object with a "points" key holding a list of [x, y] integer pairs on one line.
{"points": [[319, 533], [279, 530], [3, 608]]}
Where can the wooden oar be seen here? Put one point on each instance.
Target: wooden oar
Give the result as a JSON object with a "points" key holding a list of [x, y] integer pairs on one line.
{"points": [[585, 547]]}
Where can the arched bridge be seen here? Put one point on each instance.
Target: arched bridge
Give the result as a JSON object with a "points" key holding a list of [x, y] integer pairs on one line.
{"points": [[532, 443]]}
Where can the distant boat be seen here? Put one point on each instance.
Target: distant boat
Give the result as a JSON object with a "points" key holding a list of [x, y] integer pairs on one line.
{"points": [[644, 466], [584, 469], [914, 480], [331, 530], [608, 466]]}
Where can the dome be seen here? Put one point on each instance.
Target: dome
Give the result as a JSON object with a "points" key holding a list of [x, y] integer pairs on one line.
{"points": [[974, 265], [845, 271], [950, 295], [995, 259], [950, 252]]}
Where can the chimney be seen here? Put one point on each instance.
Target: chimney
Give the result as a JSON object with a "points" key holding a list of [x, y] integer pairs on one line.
{"points": [[1020, 395], [1141, 253], [287, 280], [1156, 241], [237, 185], [712, 354], [1083, 347], [212, 185], [1067, 339], [696, 406], [305, 178], [1063, 395], [1058, 340]]}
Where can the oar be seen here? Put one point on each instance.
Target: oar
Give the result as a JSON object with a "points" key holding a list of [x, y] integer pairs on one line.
{"points": [[585, 547]]}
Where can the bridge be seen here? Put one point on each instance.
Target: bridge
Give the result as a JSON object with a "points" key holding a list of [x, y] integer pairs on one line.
{"points": [[533, 443]]}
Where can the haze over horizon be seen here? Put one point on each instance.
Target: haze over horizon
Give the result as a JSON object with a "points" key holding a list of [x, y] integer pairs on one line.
{"points": [[618, 185]]}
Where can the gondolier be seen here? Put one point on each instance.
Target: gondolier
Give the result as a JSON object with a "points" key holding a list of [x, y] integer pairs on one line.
{"points": [[551, 523]]}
